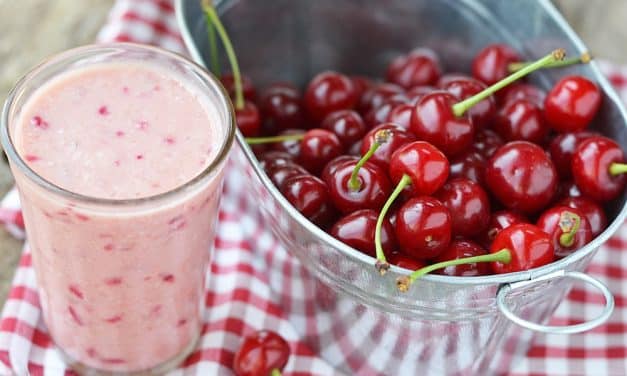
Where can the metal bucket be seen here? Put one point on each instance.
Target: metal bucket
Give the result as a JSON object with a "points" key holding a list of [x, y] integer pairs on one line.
{"points": [[331, 293]]}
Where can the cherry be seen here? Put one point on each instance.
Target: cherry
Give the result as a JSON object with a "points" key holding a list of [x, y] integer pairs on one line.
{"points": [[401, 115], [290, 144], [278, 174], [347, 125], [500, 220], [567, 188], [328, 92], [470, 165], [398, 137], [361, 84], [406, 262], [263, 353], [571, 104], [521, 119], [370, 191], [468, 204], [461, 249], [269, 159], [379, 114], [417, 92], [562, 148], [521, 176], [598, 168], [491, 63], [462, 87], [593, 212], [568, 228], [521, 90], [357, 229], [423, 227], [248, 88], [248, 119], [530, 247], [376, 95], [332, 166], [317, 148], [281, 107], [355, 149], [419, 67], [309, 195], [487, 142]]}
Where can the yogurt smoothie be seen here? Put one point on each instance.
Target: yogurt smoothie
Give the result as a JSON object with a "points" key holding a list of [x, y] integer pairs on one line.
{"points": [[121, 274]]}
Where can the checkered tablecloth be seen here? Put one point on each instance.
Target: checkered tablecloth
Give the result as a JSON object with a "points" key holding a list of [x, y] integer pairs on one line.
{"points": [[239, 292]]}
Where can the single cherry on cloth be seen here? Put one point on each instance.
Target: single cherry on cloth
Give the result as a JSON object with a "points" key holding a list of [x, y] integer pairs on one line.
{"points": [[468, 204], [571, 104], [248, 119], [568, 228], [522, 177], [281, 107], [419, 67], [463, 87], [423, 227], [347, 125], [357, 229], [376, 95], [521, 120], [598, 168], [461, 249], [263, 353], [248, 88], [397, 138], [470, 165], [562, 148], [406, 262], [309, 195], [317, 148], [529, 246], [491, 63], [594, 212], [487, 142], [499, 220], [328, 92]]}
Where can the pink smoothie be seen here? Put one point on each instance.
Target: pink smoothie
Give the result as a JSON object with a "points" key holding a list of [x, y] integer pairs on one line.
{"points": [[121, 287]]}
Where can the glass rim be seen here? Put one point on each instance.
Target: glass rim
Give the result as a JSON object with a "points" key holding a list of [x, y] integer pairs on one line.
{"points": [[9, 147]]}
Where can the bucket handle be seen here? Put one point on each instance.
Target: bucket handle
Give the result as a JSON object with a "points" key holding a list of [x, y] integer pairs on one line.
{"points": [[568, 329]]}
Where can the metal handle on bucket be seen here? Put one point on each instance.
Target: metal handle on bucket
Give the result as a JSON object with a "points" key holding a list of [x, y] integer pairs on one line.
{"points": [[569, 329]]}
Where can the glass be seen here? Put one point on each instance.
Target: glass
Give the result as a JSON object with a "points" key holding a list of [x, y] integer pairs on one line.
{"points": [[122, 281]]}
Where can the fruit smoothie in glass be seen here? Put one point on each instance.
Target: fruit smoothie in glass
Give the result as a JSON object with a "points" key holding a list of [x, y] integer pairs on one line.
{"points": [[118, 154]]}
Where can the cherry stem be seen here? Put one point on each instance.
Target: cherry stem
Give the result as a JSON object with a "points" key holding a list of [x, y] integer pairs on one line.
{"points": [[584, 58], [275, 372], [213, 47], [460, 108], [381, 137], [212, 15], [403, 283], [569, 223], [274, 139], [618, 168], [382, 264]]}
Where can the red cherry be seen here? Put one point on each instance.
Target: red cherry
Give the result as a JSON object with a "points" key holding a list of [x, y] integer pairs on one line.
{"points": [[433, 120], [379, 114], [529, 246], [347, 125], [521, 176], [269, 159], [398, 138], [332, 166], [417, 92], [568, 228], [318, 148], [248, 119], [594, 212], [567, 188], [260, 354], [447, 78], [248, 88], [355, 149], [372, 192], [470, 165], [460, 249], [598, 168], [491, 63], [419, 67], [468, 204], [357, 230], [487, 142], [522, 120], [376, 95], [562, 148], [281, 107], [361, 84], [426, 167], [401, 115], [500, 220], [328, 92], [278, 174], [309, 195], [572, 104], [423, 227], [292, 147], [521, 90], [406, 262], [462, 87]]}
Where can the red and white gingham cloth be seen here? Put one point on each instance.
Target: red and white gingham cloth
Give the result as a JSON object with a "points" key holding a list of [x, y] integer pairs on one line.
{"points": [[239, 294]]}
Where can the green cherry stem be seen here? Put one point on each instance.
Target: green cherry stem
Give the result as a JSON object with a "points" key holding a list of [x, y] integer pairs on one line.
{"points": [[403, 283], [275, 372], [274, 139], [213, 48], [382, 265], [584, 58], [381, 137], [460, 108], [212, 15], [569, 223], [618, 168]]}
